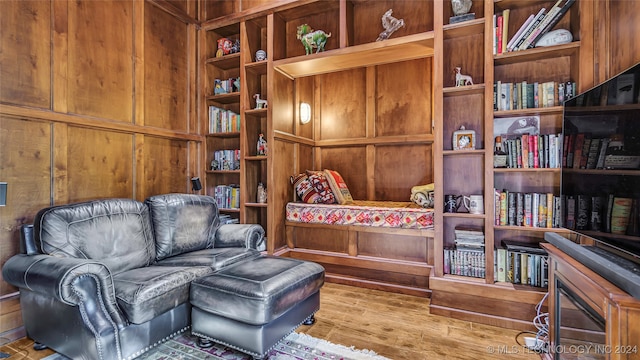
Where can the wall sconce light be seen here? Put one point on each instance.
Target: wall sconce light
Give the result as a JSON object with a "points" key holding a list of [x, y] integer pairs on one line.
{"points": [[305, 113]]}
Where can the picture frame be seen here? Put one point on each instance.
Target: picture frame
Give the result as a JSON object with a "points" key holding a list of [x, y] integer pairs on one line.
{"points": [[464, 139]]}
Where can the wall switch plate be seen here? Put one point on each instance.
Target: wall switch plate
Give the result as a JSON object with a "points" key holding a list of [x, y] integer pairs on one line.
{"points": [[3, 193]]}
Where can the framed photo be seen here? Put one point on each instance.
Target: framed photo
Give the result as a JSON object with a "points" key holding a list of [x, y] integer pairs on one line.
{"points": [[464, 139], [510, 127]]}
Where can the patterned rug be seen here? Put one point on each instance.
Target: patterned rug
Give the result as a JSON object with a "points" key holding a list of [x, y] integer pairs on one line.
{"points": [[293, 347]]}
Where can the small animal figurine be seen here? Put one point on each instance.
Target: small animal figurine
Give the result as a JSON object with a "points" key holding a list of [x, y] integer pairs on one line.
{"points": [[312, 39], [224, 47], [462, 80], [390, 25], [260, 103], [262, 145]]}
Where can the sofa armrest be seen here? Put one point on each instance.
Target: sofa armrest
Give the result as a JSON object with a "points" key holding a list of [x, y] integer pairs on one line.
{"points": [[72, 281], [241, 235]]}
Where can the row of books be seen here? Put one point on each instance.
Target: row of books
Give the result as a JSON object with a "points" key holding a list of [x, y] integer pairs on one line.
{"points": [[521, 263], [538, 210], [226, 160], [531, 30], [530, 95], [228, 219], [584, 152], [223, 120], [227, 196], [533, 151], [464, 262], [613, 214], [227, 86]]}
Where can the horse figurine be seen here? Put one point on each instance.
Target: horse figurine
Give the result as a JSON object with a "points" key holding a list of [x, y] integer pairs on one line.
{"points": [[462, 80], [390, 25], [312, 39], [260, 103]]}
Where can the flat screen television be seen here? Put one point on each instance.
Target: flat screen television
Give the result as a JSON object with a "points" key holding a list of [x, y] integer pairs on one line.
{"points": [[600, 180]]}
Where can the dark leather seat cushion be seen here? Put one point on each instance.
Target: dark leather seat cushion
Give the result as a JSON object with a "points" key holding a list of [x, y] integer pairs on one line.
{"points": [[147, 292], [257, 291]]}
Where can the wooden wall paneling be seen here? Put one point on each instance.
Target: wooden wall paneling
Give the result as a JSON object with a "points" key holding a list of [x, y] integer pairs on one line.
{"points": [[194, 126], [351, 163], [624, 49], [10, 315], [25, 165], [100, 164], [403, 98], [343, 115], [166, 70], [438, 113], [25, 54], [457, 116], [139, 62], [412, 165], [60, 171], [282, 111], [371, 172], [212, 9], [417, 16], [304, 93], [464, 176], [140, 177], [470, 65], [279, 191], [59, 56], [100, 70], [166, 166]]}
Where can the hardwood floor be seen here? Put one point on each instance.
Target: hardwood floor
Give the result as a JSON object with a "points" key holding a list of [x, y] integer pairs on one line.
{"points": [[393, 325]]}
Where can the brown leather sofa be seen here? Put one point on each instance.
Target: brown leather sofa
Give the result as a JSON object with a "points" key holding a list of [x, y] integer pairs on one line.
{"points": [[110, 279]]}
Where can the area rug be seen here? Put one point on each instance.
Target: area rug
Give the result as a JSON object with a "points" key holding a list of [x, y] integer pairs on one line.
{"points": [[294, 347]]}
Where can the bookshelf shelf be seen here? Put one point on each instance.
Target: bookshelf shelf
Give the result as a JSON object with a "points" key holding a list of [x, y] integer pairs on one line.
{"points": [[530, 229], [602, 171], [477, 152], [229, 98], [523, 170], [535, 54], [230, 134], [463, 90], [256, 205], [529, 111], [229, 210], [465, 28], [226, 62], [464, 215]]}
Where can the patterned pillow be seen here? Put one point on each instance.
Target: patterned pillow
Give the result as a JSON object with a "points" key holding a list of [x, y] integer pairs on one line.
{"points": [[320, 183], [305, 191], [339, 187]]}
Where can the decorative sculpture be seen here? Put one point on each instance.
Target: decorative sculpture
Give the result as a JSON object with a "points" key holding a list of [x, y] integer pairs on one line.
{"points": [[260, 103], [462, 80], [217, 87], [262, 145], [423, 195], [312, 39], [390, 25], [461, 10]]}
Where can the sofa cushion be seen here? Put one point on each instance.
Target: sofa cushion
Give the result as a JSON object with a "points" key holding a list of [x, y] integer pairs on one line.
{"points": [[147, 292], [216, 259], [183, 223], [116, 232]]}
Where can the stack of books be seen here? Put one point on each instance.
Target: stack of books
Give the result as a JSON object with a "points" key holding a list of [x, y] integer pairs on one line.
{"points": [[467, 258], [536, 210], [227, 196]]}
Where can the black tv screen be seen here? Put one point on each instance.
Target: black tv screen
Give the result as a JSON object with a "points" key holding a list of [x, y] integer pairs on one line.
{"points": [[600, 181]]}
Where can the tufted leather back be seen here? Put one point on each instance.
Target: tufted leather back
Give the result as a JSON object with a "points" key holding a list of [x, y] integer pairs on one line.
{"points": [[116, 232], [183, 223]]}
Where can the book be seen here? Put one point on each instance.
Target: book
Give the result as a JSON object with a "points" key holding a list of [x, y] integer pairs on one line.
{"points": [[553, 21], [498, 35], [523, 247], [537, 28], [501, 260], [583, 204], [585, 151], [620, 215], [577, 151], [592, 156], [536, 20], [505, 30], [518, 33]]}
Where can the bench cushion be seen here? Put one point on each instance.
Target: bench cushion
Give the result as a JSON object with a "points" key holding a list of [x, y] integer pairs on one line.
{"points": [[216, 258], [257, 291]]}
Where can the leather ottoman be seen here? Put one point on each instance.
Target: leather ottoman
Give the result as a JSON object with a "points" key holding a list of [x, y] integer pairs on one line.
{"points": [[253, 305]]}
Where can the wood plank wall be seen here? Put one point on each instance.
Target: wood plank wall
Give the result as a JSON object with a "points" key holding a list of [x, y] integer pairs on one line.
{"points": [[97, 99]]}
